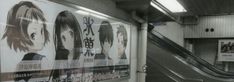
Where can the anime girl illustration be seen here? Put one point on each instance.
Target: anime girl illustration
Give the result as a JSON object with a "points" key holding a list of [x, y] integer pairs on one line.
{"points": [[26, 31], [67, 33]]}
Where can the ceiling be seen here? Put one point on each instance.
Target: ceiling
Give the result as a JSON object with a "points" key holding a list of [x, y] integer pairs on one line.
{"points": [[208, 7], [193, 7]]}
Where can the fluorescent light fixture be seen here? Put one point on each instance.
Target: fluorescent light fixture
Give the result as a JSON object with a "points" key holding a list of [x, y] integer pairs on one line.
{"points": [[157, 7], [172, 5]]}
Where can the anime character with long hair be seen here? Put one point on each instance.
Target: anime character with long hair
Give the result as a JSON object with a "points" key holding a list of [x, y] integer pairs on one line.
{"points": [[67, 33]]}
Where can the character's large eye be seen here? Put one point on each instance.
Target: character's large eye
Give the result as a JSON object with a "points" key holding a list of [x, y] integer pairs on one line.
{"points": [[71, 33], [63, 37], [33, 35]]}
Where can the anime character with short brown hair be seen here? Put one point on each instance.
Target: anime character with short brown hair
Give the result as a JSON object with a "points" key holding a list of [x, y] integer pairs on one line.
{"points": [[26, 31]]}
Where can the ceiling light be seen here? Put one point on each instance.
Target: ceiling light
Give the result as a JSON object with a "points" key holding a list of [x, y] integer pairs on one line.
{"points": [[157, 7], [172, 5]]}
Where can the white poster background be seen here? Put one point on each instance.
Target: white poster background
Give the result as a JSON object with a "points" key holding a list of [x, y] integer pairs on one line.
{"points": [[226, 50], [10, 58]]}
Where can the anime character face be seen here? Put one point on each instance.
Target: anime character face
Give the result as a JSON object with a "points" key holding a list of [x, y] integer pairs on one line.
{"points": [[121, 46], [36, 35], [106, 36], [26, 29], [106, 47], [67, 38]]}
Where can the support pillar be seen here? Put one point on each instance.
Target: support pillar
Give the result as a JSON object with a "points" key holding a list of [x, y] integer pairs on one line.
{"points": [[142, 52]]}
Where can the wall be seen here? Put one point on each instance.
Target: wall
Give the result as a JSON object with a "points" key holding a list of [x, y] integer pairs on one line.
{"points": [[108, 7], [222, 26], [173, 31], [205, 44], [206, 49]]}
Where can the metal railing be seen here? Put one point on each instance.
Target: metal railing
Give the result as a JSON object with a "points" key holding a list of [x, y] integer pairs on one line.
{"points": [[160, 40]]}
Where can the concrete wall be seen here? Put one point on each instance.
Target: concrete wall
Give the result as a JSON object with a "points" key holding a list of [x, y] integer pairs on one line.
{"points": [[173, 31], [108, 7]]}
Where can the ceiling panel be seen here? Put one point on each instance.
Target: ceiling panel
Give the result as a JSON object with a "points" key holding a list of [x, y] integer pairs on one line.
{"points": [[194, 8], [208, 7]]}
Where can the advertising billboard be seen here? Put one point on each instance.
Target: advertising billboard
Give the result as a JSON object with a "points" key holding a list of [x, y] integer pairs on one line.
{"points": [[43, 41]]}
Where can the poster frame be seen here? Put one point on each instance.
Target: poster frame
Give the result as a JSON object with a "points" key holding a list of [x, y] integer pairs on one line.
{"points": [[76, 6], [220, 57]]}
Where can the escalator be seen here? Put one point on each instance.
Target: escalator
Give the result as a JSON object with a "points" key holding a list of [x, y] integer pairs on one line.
{"points": [[169, 62]]}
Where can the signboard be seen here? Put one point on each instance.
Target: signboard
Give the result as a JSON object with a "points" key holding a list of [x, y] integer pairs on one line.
{"points": [[42, 41], [226, 50]]}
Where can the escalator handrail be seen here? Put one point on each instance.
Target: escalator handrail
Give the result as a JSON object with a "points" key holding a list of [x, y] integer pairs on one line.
{"points": [[185, 54]]}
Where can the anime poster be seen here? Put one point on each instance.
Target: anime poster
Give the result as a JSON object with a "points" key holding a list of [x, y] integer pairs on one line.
{"points": [[25, 35], [42, 41], [226, 50]]}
